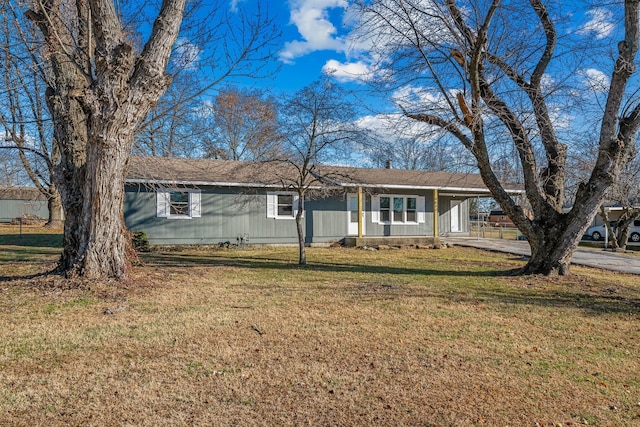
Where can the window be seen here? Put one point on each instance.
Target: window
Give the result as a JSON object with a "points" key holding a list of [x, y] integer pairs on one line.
{"points": [[282, 205], [285, 204], [385, 205], [398, 209], [178, 203], [412, 214]]}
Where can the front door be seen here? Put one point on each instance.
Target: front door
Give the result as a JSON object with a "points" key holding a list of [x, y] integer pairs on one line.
{"points": [[352, 215], [455, 216]]}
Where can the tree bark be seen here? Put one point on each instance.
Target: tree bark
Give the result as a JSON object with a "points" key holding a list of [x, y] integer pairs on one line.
{"points": [[552, 248], [552, 233], [99, 92], [54, 203], [302, 253]]}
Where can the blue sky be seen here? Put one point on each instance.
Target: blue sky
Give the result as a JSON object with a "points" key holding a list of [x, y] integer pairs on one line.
{"points": [[315, 37], [314, 34]]}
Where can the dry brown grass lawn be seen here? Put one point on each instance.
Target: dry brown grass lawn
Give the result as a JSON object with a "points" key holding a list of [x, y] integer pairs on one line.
{"points": [[246, 337]]}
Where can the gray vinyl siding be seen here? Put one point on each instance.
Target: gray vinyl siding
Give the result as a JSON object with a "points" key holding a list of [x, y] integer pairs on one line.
{"points": [[327, 219], [229, 214], [226, 215]]}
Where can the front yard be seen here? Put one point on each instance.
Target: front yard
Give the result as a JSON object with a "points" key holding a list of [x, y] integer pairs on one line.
{"points": [[246, 337]]}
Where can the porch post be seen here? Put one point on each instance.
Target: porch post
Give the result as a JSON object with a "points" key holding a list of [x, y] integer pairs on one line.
{"points": [[360, 212], [435, 212]]}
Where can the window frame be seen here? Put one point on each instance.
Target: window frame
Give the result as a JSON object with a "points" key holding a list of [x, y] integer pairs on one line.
{"points": [[273, 204], [391, 211], [164, 204]]}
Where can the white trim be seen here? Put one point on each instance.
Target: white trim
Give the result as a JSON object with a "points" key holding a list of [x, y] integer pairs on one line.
{"points": [[375, 209], [163, 203], [428, 187], [174, 183]]}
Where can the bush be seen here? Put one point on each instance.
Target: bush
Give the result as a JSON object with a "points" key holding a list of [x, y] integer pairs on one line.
{"points": [[140, 241]]}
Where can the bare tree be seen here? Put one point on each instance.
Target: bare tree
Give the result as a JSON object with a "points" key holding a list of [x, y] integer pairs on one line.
{"points": [[23, 112], [624, 194], [242, 125], [217, 44], [317, 124], [11, 170], [489, 64], [100, 89], [173, 128], [105, 65]]}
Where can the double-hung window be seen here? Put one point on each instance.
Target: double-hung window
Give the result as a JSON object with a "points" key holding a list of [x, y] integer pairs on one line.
{"points": [[178, 203], [398, 209], [385, 209], [282, 205], [412, 210], [285, 204]]}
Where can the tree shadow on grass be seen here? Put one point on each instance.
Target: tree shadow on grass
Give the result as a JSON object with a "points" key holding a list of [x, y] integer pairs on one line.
{"points": [[191, 260], [32, 240], [589, 302], [595, 302], [41, 274]]}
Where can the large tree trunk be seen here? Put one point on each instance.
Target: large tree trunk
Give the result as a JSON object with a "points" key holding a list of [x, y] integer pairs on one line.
{"points": [[70, 136], [552, 248], [54, 204], [99, 92], [102, 251]]}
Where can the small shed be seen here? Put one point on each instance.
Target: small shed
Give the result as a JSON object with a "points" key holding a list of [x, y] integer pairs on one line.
{"points": [[18, 202]]}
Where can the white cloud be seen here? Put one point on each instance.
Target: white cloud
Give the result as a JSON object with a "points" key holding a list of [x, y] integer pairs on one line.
{"points": [[596, 80], [233, 6], [311, 17], [393, 126], [600, 23], [414, 96], [186, 54], [347, 72]]}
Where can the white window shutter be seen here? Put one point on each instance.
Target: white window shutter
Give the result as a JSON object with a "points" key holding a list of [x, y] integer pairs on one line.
{"points": [[375, 209], [195, 202], [272, 205], [421, 208], [162, 203]]}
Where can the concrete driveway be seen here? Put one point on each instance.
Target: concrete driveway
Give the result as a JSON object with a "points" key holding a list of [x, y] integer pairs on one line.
{"points": [[598, 258]]}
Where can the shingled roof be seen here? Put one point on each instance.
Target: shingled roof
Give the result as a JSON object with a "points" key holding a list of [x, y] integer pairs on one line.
{"points": [[181, 171], [21, 193]]}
